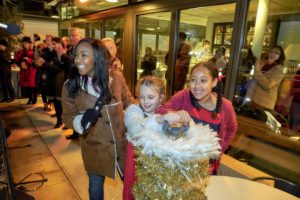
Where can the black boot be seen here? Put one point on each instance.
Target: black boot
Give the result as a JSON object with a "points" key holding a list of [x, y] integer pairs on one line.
{"points": [[58, 123], [33, 101], [29, 101], [74, 136]]}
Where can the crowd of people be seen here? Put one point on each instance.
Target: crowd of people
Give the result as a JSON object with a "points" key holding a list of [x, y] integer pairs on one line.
{"points": [[85, 83], [44, 66], [83, 79], [96, 94]]}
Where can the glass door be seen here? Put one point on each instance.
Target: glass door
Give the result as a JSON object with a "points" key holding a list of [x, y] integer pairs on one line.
{"points": [[114, 29], [204, 34], [267, 90], [93, 29], [153, 44]]}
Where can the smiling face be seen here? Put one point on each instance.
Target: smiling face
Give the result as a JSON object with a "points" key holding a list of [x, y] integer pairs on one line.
{"points": [[58, 47], [84, 59], [26, 45], [202, 83], [273, 55], [75, 36], [150, 99]]}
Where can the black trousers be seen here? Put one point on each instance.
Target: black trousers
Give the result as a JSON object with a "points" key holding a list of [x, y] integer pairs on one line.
{"points": [[58, 110], [32, 94], [6, 87]]}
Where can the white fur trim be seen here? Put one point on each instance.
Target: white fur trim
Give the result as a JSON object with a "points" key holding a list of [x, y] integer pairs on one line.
{"points": [[200, 141], [77, 124]]}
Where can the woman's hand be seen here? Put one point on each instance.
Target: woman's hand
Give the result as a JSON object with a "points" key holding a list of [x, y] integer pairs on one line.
{"points": [[14, 65], [44, 76], [39, 62], [24, 65]]}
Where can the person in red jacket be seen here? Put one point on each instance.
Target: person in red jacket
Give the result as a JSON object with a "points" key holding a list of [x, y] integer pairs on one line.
{"points": [[204, 106], [27, 81]]}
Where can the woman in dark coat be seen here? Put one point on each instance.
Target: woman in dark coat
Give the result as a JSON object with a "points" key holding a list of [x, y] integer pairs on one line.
{"points": [[58, 73]]}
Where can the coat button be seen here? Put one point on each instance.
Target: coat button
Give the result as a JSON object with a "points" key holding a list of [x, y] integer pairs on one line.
{"points": [[112, 141], [107, 122], [118, 158]]}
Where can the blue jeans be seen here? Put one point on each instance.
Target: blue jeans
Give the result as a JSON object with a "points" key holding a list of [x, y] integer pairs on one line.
{"points": [[96, 186]]}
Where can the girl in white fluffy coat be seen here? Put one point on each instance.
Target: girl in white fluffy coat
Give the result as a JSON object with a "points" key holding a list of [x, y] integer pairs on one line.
{"points": [[144, 128]]}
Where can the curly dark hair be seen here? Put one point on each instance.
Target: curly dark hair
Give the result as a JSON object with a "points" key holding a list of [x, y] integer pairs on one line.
{"points": [[219, 87], [100, 79]]}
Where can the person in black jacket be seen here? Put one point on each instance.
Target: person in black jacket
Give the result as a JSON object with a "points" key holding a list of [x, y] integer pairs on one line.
{"points": [[59, 69], [75, 36], [5, 74], [44, 75]]}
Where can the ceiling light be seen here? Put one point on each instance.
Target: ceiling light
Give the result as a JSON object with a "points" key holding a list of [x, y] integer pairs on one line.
{"points": [[150, 29], [83, 1], [53, 12], [55, 16], [52, 3], [111, 0]]}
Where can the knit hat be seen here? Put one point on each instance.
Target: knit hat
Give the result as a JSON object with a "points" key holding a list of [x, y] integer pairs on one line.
{"points": [[26, 39], [3, 42]]}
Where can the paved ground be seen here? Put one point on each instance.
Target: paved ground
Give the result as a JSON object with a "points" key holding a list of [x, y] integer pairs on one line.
{"points": [[50, 154]]}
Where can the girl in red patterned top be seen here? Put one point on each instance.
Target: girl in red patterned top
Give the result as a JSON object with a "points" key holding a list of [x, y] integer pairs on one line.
{"points": [[204, 106]]}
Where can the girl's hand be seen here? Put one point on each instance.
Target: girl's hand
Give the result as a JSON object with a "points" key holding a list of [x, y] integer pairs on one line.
{"points": [[174, 117]]}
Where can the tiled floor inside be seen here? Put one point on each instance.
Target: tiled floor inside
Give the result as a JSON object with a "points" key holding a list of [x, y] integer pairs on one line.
{"points": [[50, 154]]}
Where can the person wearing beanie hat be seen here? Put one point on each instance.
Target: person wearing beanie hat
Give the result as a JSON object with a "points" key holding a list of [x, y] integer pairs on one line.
{"points": [[5, 74]]}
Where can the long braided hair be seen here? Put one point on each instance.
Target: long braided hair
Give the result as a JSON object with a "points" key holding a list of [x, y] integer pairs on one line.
{"points": [[219, 87]]}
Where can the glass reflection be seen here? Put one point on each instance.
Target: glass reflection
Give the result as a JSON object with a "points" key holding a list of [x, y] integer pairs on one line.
{"points": [[153, 44]]}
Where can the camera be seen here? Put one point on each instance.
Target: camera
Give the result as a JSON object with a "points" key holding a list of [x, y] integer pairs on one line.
{"points": [[36, 37]]}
